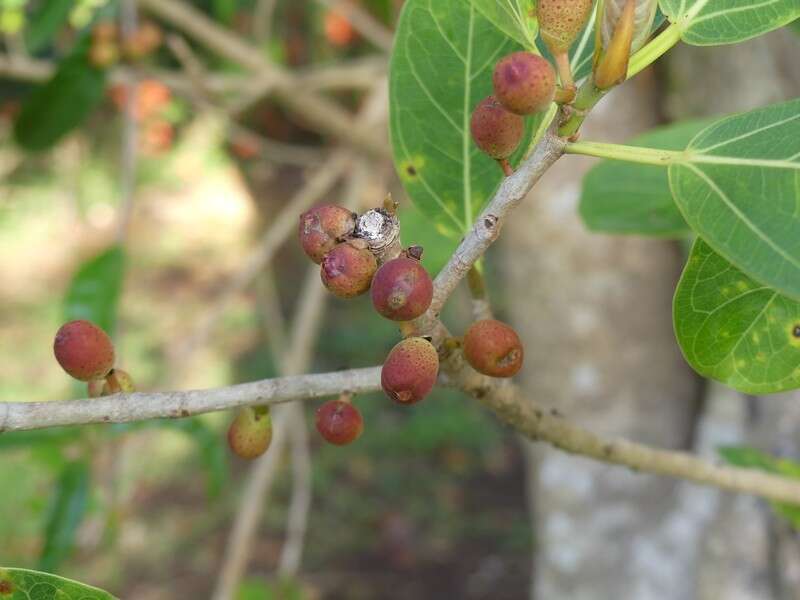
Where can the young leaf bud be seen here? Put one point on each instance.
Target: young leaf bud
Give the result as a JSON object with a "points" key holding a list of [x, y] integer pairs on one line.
{"points": [[612, 66], [496, 131], [644, 15], [409, 372], [84, 350], [524, 83], [493, 348]]}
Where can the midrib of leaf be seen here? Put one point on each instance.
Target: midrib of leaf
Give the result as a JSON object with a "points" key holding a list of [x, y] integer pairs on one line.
{"points": [[744, 219], [466, 139], [730, 10], [745, 135]]}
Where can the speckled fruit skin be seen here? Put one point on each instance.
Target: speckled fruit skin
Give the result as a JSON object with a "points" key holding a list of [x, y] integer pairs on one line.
{"points": [[347, 270], [524, 83], [496, 131], [339, 422], [410, 370], [250, 434], [84, 350], [493, 348], [402, 290], [322, 227], [560, 22]]}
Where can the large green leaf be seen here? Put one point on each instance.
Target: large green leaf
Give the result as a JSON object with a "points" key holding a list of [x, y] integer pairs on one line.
{"points": [[441, 68], [713, 22], [750, 458], [735, 330], [22, 584], [45, 21], [515, 18], [632, 198], [738, 186], [62, 103], [66, 512], [95, 289]]}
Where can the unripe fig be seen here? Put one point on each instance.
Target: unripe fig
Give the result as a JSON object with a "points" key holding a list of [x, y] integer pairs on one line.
{"points": [[339, 422], [347, 270], [322, 227], [402, 290], [250, 433], [118, 381], [410, 370], [84, 350], [493, 348], [103, 54], [560, 22], [524, 83], [496, 131]]}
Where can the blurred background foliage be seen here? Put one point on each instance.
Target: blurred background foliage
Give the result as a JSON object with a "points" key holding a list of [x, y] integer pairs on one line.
{"points": [[428, 501]]}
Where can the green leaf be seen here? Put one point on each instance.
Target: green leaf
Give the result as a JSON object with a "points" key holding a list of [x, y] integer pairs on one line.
{"points": [[750, 458], [738, 186], [95, 289], [23, 584], [441, 67], [631, 198], [715, 22], [515, 18], [61, 104], [47, 18], [419, 230], [66, 513], [735, 330]]}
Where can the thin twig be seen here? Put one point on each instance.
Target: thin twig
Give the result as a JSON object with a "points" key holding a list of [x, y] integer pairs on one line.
{"points": [[262, 19], [130, 131], [316, 110]]}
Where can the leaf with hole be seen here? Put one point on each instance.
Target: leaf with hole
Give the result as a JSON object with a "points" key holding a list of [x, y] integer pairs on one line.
{"points": [[734, 329], [714, 22], [631, 198], [441, 67], [738, 186], [24, 584]]}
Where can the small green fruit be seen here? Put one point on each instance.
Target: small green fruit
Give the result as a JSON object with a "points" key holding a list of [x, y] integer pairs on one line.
{"points": [[493, 348], [402, 290], [524, 83], [347, 270], [496, 131], [322, 227], [339, 422], [84, 350], [250, 433], [410, 370], [560, 22]]}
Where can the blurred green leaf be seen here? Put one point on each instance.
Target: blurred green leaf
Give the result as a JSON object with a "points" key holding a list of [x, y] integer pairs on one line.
{"points": [[224, 10], [23, 584], [629, 198], [714, 22], [26, 439], [257, 589], [95, 289], [62, 103], [45, 21], [750, 458], [65, 515], [441, 68]]}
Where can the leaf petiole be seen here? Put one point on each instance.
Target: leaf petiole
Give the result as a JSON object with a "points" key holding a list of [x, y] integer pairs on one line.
{"points": [[635, 154]]}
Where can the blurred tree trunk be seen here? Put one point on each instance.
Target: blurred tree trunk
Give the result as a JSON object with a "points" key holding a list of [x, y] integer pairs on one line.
{"points": [[595, 312]]}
